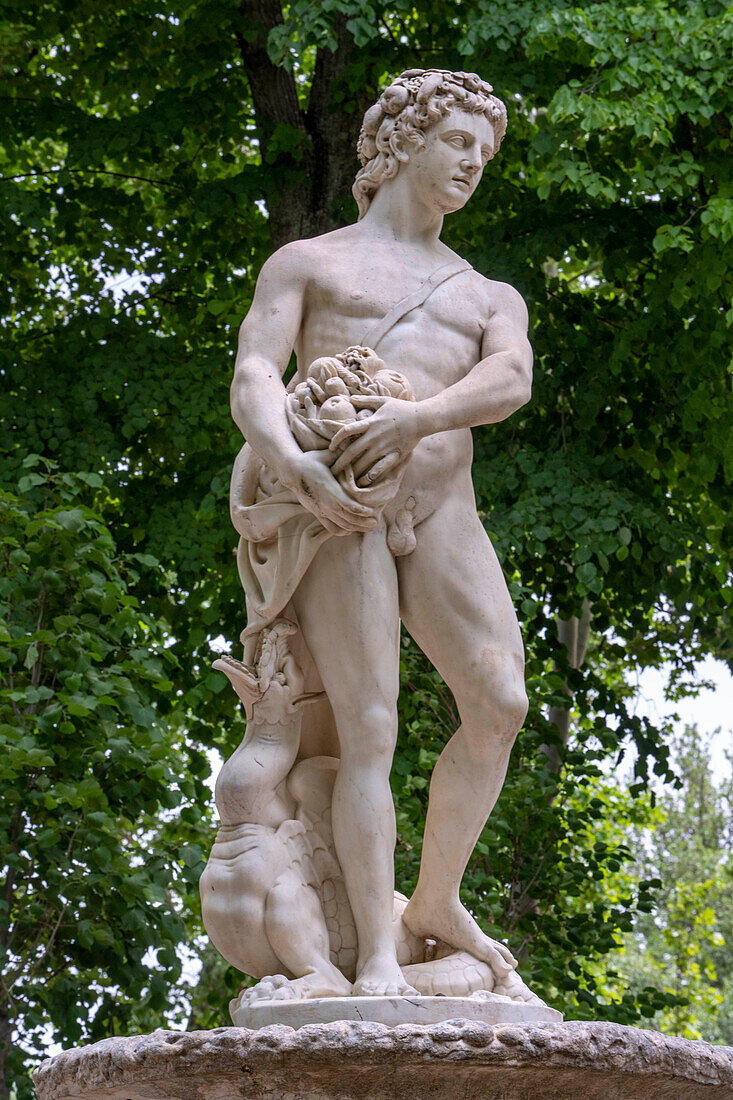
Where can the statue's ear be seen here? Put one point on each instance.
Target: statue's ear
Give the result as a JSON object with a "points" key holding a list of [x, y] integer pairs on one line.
{"points": [[401, 146]]}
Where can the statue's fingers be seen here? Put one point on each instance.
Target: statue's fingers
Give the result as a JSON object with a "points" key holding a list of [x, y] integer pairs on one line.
{"points": [[347, 504], [331, 527], [336, 527], [347, 520], [350, 455], [332, 516], [355, 428], [330, 493], [367, 473], [339, 465], [368, 458], [505, 954], [334, 521]]}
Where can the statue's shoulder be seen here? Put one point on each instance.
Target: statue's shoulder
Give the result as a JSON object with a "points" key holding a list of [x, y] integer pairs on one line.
{"points": [[499, 297], [287, 263], [297, 260]]}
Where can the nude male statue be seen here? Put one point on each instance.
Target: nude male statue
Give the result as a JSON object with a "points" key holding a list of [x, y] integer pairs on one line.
{"points": [[465, 353]]}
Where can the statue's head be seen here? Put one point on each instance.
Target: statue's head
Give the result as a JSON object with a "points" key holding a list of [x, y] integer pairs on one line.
{"points": [[402, 125]]}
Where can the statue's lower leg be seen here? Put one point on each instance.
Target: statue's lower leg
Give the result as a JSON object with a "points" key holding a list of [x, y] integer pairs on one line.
{"points": [[364, 834], [298, 936], [472, 781]]}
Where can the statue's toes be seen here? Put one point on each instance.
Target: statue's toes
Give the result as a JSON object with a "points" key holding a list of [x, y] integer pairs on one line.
{"points": [[277, 980], [284, 993], [513, 986], [266, 989]]}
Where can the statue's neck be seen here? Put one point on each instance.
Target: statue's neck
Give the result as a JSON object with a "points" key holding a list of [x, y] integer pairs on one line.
{"points": [[396, 214]]}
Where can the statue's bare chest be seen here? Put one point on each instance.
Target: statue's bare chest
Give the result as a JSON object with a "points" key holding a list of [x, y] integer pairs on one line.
{"points": [[345, 303]]}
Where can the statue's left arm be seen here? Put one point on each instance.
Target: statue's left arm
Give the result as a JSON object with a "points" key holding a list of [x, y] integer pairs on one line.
{"points": [[498, 385]]}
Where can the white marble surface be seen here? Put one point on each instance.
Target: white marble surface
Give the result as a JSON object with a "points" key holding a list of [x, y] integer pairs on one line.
{"points": [[391, 1011]]}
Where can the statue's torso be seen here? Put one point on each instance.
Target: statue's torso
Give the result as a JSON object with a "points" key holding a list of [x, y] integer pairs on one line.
{"points": [[354, 283]]}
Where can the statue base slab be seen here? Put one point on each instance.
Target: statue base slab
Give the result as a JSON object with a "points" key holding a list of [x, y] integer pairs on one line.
{"points": [[488, 1008], [454, 1060]]}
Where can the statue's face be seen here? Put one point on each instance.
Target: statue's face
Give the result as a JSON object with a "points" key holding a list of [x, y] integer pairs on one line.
{"points": [[446, 172]]}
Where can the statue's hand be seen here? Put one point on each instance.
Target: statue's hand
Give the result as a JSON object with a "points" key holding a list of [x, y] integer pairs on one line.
{"points": [[377, 444], [318, 490]]}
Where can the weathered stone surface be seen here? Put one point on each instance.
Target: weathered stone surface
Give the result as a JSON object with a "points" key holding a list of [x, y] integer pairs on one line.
{"points": [[458, 1059]]}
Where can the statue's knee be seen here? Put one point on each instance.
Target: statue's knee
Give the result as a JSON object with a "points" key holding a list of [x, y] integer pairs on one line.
{"points": [[369, 737], [496, 699], [513, 710]]}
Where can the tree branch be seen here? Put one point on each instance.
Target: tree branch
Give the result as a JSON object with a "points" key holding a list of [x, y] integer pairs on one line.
{"points": [[275, 101], [97, 171]]}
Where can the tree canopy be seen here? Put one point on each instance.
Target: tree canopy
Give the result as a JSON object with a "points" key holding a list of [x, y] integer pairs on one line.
{"points": [[154, 153], [686, 946], [90, 768]]}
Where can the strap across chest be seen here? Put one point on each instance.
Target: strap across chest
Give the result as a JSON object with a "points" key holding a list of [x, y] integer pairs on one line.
{"points": [[379, 329]]}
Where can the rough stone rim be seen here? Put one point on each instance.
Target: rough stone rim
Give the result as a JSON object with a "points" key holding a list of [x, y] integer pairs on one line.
{"points": [[583, 1045]]}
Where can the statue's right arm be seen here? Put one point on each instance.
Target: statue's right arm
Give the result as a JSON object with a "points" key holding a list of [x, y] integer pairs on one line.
{"points": [[266, 340]]}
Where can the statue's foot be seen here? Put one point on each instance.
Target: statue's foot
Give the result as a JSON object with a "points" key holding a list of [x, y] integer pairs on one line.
{"points": [[321, 984], [513, 986], [380, 976], [328, 982], [450, 922], [273, 987]]}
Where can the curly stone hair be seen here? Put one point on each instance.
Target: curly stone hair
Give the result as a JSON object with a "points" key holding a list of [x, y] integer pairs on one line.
{"points": [[413, 102]]}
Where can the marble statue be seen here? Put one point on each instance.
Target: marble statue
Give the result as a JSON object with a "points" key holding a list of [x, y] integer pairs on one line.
{"points": [[355, 508]]}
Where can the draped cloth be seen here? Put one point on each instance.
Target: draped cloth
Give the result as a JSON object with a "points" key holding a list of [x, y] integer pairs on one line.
{"points": [[278, 539]]}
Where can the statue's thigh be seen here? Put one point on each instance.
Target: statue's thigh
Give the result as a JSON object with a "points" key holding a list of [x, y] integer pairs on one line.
{"points": [[348, 609], [454, 600]]}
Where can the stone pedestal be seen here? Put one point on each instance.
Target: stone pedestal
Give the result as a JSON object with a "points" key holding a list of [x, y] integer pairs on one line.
{"points": [[453, 1060], [483, 1007]]}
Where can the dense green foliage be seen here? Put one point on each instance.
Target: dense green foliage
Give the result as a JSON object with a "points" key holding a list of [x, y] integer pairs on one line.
{"points": [[89, 763], [154, 153]]}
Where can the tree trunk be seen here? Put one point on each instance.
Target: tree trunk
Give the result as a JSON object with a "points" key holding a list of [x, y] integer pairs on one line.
{"points": [[6, 1046], [313, 169], [573, 634]]}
